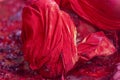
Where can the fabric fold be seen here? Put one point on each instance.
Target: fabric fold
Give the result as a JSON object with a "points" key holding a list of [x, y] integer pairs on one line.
{"points": [[48, 36]]}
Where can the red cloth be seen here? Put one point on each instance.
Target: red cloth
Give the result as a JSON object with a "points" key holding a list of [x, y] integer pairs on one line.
{"points": [[48, 36], [98, 12], [95, 44], [104, 14]]}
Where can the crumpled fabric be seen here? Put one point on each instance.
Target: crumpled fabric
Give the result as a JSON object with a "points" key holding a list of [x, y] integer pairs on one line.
{"points": [[49, 39], [99, 13], [95, 44], [49, 36], [104, 14]]}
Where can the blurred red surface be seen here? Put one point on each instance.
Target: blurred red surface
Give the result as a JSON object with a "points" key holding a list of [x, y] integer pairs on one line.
{"points": [[12, 64]]}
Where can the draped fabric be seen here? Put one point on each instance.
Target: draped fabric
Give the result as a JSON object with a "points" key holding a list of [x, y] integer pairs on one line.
{"points": [[48, 36], [98, 13], [95, 44], [104, 14]]}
